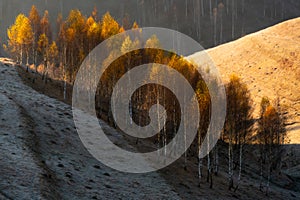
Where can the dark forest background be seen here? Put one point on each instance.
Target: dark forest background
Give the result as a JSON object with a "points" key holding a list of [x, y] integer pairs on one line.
{"points": [[211, 22]]}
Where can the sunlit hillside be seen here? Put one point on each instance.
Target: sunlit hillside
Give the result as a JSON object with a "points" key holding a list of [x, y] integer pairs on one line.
{"points": [[268, 62]]}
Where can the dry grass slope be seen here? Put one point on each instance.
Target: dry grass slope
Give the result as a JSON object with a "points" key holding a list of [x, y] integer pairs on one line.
{"points": [[269, 62]]}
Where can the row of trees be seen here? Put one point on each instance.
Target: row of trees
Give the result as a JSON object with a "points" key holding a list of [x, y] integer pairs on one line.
{"points": [[31, 37], [239, 125], [239, 128], [31, 40]]}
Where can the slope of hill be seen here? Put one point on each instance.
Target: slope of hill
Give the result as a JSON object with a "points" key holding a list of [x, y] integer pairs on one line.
{"points": [[42, 157], [269, 63]]}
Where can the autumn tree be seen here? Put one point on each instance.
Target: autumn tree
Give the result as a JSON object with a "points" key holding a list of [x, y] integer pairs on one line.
{"points": [[153, 53], [43, 49], [204, 107], [53, 53], [62, 49], [26, 38], [75, 38], [135, 25], [110, 26], [238, 124], [20, 37], [13, 46], [53, 57], [61, 39], [93, 29], [35, 18], [271, 136], [45, 26]]}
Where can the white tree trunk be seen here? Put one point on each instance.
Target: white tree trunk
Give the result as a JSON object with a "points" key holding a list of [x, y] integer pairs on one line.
{"points": [[21, 55], [240, 166]]}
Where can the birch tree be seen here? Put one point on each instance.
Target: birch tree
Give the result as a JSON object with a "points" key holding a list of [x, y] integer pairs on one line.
{"points": [[238, 124], [20, 37], [35, 18], [271, 137], [43, 49], [45, 26]]}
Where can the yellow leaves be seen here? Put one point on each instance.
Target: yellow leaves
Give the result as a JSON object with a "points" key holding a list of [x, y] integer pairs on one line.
{"points": [[53, 50], [135, 25], [201, 88], [234, 78], [110, 26], [153, 51], [20, 32], [270, 112], [34, 17], [90, 21], [12, 34], [203, 96], [76, 20], [152, 42], [24, 30], [26, 33], [122, 30], [239, 108], [93, 29], [271, 129], [136, 44], [45, 25], [265, 102], [46, 50], [70, 35], [126, 45], [236, 87], [43, 43]]}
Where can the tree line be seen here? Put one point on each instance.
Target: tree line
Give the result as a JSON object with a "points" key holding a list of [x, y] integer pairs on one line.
{"points": [[241, 128], [31, 41]]}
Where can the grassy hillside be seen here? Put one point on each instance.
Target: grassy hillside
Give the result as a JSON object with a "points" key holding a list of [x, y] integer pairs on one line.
{"points": [[268, 62]]}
